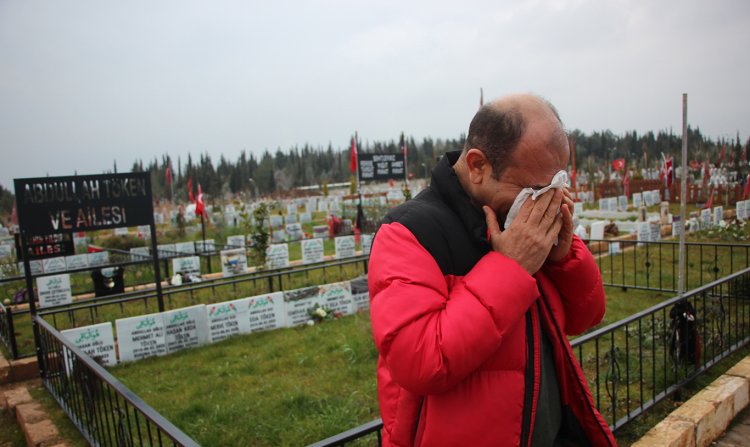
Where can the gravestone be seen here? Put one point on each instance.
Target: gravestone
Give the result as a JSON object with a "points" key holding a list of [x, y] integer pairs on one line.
{"points": [[740, 212], [291, 209], [233, 262], [622, 203], [297, 302], [705, 219], [75, 262], [158, 218], [54, 290], [6, 251], [143, 231], [345, 247], [294, 231], [187, 248], [612, 204], [597, 230], [337, 297], [614, 248], [322, 206], [189, 265], [655, 231], [643, 231], [291, 218], [186, 327], [718, 217], [676, 226], [311, 206], [277, 256], [603, 205], [305, 218], [227, 319], [96, 341], [34, 265], [166, 250], [664, 212], [237, 241], [141, 337], [637, 200], [140, 254], [266, 312], [312, 251], [320, 231], [360, 293], [366, 241], [275, 221], [54, 265], [278, 236], [205, 246], [121, 231], [98, 259], [577, 208]]}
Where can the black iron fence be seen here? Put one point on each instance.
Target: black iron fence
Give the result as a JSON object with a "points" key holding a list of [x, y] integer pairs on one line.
{"points": [[105, 411], [635, 363], [655, 265]]}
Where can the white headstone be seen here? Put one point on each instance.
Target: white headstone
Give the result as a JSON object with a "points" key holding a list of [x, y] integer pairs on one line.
{"points": [[337, 297], [705, 218], [345, 247], [277, 256], [207, 246], [366, 241], [5, 251], [98, 258], [637, 200], [265, 312], [236, 241], [322, 206], [718, 217], [291, 218], [96, 341], [311, 206], [233, 262], [189, 265], [643, 230], [166, 250], [577, 208], [612, 204], [34, 265], [294, 231], [603, 204], [360, 293], [140, 254], [297, 302], [144, 231], [75, 262], [54, 290], [597, 230], [320, 231], [656, 196], [122, 231], [54, 265], [158, 218], [312, 251], [276, 221], [141, 337], [622, 203], [741, 210], [187, 248], [676, 226], [305, 218], [614, 248], [186, 327], [655, 231], [291, 208], [227, 319]]}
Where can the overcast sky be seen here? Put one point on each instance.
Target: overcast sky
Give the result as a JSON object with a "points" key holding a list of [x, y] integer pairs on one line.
{"points": [[83, 83]]}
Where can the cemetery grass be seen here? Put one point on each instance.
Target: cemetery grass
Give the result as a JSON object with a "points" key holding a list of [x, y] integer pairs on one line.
{"points": [[10, 434], [291, 386], [66, 428]]}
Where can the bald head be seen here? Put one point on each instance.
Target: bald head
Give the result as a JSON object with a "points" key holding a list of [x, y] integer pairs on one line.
{"points": [[498, 127]]}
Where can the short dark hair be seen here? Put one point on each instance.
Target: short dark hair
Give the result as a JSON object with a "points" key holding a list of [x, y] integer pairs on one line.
{"points": [[496, 131]]}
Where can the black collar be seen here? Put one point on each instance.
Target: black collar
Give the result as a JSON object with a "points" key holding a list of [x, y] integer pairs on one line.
{"points": [[445, 183]]}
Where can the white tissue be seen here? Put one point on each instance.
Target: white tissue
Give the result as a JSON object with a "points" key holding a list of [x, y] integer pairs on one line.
{"points": [[558, 181]]}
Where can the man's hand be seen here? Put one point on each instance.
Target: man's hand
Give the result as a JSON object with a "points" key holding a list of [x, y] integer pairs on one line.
{"points": [[529, 238], [565, 237]]}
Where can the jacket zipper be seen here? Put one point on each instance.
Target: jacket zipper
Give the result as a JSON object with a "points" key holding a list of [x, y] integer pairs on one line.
{"points": [[528, 382], [560, 336]]}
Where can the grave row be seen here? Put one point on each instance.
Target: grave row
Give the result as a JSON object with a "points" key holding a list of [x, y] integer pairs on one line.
{"points": [[171, 331]]}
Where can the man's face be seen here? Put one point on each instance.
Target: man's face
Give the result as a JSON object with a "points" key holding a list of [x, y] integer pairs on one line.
{"points": [[541, 153]]}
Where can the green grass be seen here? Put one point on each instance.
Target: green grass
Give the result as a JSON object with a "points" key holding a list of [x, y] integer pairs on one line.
{"points": [[286, 387], [66, 428], [10, 434]]}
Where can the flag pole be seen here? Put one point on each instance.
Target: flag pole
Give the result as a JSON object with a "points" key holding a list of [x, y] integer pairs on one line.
{"points": [[683, 196]]}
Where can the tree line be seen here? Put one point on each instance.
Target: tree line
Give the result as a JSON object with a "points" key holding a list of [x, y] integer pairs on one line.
{"points": [[273, 172]]}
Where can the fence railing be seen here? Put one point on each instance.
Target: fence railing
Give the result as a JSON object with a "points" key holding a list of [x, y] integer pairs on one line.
{"points": [[654, 265], [105, 411], [635, 363]]}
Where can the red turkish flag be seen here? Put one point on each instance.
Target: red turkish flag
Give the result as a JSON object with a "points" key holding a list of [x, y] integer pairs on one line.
{"points": [[353, 157], [200, 206], [618, 164]]}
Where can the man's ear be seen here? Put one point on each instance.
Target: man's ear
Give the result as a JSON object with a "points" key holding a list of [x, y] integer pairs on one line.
{"points": [[479, 166]]}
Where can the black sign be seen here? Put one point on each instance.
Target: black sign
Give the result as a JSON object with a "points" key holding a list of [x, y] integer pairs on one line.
{"points": [[47, 246], [52, 205], [381, 166]]}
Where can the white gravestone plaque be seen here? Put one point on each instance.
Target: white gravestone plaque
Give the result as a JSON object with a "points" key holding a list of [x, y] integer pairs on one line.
{"points": [[187, 248], [207, 246], [121, 231], [614, 248], [186, 327], [54, 290], [277, 256], [337, 297], [597, 230], [144, 231], [75, 262], [655, 231], [366, 240], [603, 204], [96, 341], [643, 230], [612, 207], [294, 231], [278, 236], [227, 319], [54, 265], [345, 247], [305, 218], [233, 262], [312, 251], [265, 312], [141, 337], [360, 293], [291, 208], [166, 250], [140, 254], [578, 208], [297, 302], [718, 217], [320, 231], [189, 265], [622, 203], [98, 259], [35, 266], [705, 218], [237, 241], [276, 221], [741, 210], [676, 226], [637, 200]]}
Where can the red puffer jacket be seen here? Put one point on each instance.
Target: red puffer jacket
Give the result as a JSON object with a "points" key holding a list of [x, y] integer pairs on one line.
{"points": [[453, 349]]}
